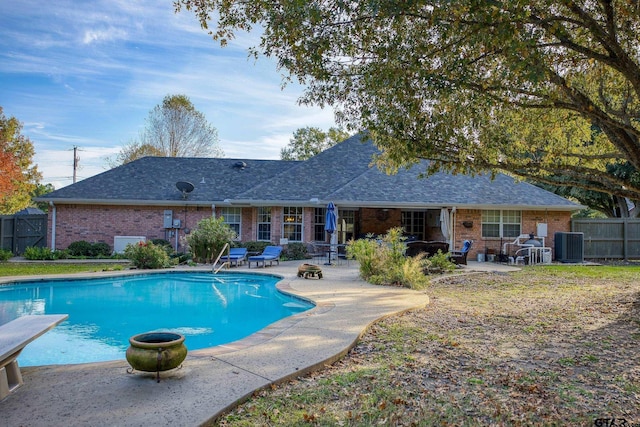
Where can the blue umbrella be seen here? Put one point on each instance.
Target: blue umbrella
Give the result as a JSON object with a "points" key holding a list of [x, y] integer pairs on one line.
{"points": [[331, 225], [331, 219]]}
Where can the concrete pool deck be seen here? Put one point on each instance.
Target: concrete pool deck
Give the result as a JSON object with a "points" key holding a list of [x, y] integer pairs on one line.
{"points": [[212, 380]]}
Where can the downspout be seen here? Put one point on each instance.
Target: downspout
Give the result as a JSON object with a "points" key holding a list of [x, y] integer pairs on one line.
{"points": [[53, 226], [213, 211]]}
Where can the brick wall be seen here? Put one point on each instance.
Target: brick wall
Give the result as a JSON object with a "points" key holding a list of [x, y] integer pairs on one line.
{"points": [[556, 221], [100, 223], [378, 221]]}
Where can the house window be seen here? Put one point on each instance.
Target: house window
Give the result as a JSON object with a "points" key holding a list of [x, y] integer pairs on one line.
{"points": [[233, 218], [264, 223], [413, 223], [319, 216], [292, 223], [346, 226], [497, 223]]}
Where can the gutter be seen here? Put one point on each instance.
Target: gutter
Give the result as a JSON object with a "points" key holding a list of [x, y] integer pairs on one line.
{"points": [[53, 226], [313, 202]]}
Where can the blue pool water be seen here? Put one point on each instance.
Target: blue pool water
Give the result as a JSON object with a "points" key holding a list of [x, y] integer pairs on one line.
{"points": [[104, 313]]}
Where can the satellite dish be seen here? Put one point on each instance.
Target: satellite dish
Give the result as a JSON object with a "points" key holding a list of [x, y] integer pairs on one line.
{"points": [[185, 188]]}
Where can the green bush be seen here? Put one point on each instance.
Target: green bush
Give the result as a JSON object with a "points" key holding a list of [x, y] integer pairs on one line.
{"points": [[364, 251], [382, 261], [438, 263], [100, 250], [294, 251], [33, 253], [5, 255], [164, 244], [82, 248], [255, 246], [147, 255], [79, 248], [182, 258], [208, 239]]}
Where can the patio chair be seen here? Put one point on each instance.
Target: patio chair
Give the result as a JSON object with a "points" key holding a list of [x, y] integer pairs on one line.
{"points": [[236, 256], [270, 253], [460, 257]]}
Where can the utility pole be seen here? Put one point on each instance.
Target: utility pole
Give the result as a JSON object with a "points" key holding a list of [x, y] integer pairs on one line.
{"points": [[76, 159]]}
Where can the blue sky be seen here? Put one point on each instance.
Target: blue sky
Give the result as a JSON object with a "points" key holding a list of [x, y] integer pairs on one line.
{"points": [[87, 73]]}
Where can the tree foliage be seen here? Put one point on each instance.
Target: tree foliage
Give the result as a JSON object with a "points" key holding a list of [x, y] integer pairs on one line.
{"points": [[134, 150], [309, 141], [18, 176], [472, 85], [174, 129], [39, 191]]}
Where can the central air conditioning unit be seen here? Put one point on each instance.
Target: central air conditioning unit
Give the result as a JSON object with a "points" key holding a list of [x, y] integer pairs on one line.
{"points": [[569, 247]]}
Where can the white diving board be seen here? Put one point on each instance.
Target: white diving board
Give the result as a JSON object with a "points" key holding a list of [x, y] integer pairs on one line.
{"points": [[14, 336]]}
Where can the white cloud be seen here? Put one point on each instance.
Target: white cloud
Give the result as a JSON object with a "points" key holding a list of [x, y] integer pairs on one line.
{"points": [[109, 34]]}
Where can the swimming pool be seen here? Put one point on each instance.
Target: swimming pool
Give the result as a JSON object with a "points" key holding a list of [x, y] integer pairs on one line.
{"points": [[208, 309]]}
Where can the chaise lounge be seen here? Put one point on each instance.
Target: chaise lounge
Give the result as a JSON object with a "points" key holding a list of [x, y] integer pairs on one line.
{"points": [[236, 256], [270, 253]]}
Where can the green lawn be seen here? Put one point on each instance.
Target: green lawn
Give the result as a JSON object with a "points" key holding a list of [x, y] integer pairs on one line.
{"points": [[32, 269]]}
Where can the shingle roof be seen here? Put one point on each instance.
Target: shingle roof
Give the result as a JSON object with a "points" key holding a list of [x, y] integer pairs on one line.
{"points": [[154, 179], [342, 174]]}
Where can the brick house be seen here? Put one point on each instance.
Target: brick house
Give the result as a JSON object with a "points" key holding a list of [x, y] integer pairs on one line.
{"points": [[271, 200]]}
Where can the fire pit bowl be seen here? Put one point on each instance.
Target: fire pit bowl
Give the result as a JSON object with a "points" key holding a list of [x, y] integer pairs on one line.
{"points": [[156, 351]]}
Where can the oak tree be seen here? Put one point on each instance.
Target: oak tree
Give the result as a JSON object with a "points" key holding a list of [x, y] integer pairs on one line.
{"points": [[309, 141], [18, 176], [471, 85]]}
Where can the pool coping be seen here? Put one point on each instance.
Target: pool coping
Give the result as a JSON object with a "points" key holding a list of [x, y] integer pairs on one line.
{"points": [[215, 379]]}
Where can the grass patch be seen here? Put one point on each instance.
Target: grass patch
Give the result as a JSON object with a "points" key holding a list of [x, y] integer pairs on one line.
{"points": [[33, 269]]}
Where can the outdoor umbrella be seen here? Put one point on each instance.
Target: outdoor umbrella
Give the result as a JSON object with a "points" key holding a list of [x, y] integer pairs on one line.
{"points": [[331, 225]]}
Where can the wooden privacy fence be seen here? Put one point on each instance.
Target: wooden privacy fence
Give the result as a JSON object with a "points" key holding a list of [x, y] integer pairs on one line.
{"points": [[610, 237], [18, 232]]}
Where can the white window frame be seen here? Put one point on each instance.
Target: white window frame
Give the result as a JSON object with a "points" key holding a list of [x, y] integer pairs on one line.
{"points": [[233, 217], [502, 218], [263, 215], [293, 216]]}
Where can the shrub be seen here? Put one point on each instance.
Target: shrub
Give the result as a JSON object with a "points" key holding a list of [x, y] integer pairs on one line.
{"points": [[100, 250], [79, 248], [294, 251], [382, 261], [147, 255], [438, 263], [364, 251], [255, 246], [82, 248], [164, 244], [33, 253], [5, 255], [208, 239]]}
